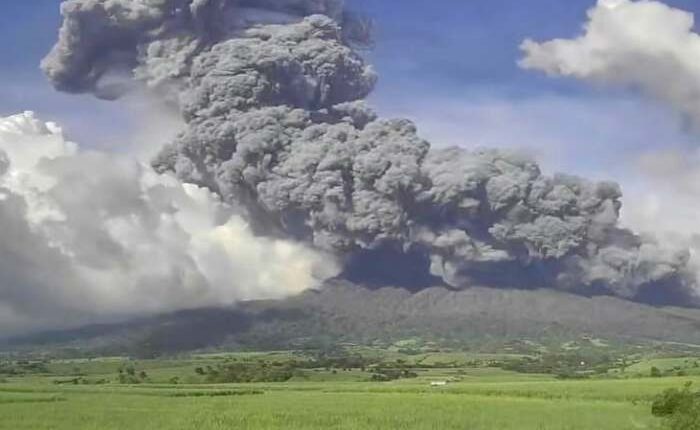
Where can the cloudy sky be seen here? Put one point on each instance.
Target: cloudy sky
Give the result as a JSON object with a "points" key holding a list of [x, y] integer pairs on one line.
{"points": [[606, 89], [452, 68]]}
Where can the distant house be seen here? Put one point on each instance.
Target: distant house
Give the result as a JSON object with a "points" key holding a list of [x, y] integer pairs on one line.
{"points": [[438, 383]]}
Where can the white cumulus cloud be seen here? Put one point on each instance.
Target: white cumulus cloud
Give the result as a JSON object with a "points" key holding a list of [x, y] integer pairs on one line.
{"points": [[643, 44], [91, 236]]}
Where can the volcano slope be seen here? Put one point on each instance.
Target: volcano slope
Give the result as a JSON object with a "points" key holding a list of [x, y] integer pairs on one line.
{"points": [[342, 312]]}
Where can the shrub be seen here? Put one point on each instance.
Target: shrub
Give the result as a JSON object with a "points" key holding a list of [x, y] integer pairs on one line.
{"points": [[248, 372], [128, 375], [390, 374], [680, 408]]}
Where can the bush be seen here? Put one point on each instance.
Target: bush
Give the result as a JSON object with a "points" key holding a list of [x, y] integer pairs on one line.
{"points": [[23, 367], [680, 408], [389, 374], [248, 372], [128, 376]]}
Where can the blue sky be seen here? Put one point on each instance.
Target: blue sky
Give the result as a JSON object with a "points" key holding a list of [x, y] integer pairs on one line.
{"points": [[29, 29], [449, 65]]}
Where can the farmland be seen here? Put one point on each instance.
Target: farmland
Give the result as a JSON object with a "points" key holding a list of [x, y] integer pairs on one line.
{"points": [[300, 390]]}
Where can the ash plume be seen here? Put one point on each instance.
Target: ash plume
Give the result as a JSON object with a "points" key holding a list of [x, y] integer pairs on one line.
{"points": [[272, 95]]}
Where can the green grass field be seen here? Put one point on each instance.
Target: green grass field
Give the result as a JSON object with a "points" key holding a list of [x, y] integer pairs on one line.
{"points": [[475, 398], [316, 409]]}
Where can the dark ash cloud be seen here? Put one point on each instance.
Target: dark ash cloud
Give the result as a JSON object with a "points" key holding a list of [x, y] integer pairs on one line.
{"points": [[272, 92]]}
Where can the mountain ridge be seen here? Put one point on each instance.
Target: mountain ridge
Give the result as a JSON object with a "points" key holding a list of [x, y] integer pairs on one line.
{"points": [[345, 312]]}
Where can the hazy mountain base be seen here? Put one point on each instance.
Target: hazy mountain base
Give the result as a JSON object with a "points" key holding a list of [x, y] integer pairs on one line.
{"points": [[341, 312]]}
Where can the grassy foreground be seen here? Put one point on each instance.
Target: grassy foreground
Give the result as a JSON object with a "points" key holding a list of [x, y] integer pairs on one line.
{"points": [[522, 405], [175, 394], [292, 409]]}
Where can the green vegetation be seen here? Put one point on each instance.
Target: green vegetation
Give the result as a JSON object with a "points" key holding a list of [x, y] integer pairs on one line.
{"points": [[404, 386], [247, 372], [679, 408], [22, 367]]}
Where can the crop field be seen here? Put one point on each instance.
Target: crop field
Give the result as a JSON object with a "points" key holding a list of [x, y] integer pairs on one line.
{"points": [[120, 393], [302, 408]]}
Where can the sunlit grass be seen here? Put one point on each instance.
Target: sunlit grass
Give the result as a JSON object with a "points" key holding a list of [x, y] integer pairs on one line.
{"points": [[475, 398]]}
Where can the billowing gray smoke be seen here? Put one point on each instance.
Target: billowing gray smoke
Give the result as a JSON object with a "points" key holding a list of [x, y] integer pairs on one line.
{"points": [[271, 91]]}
